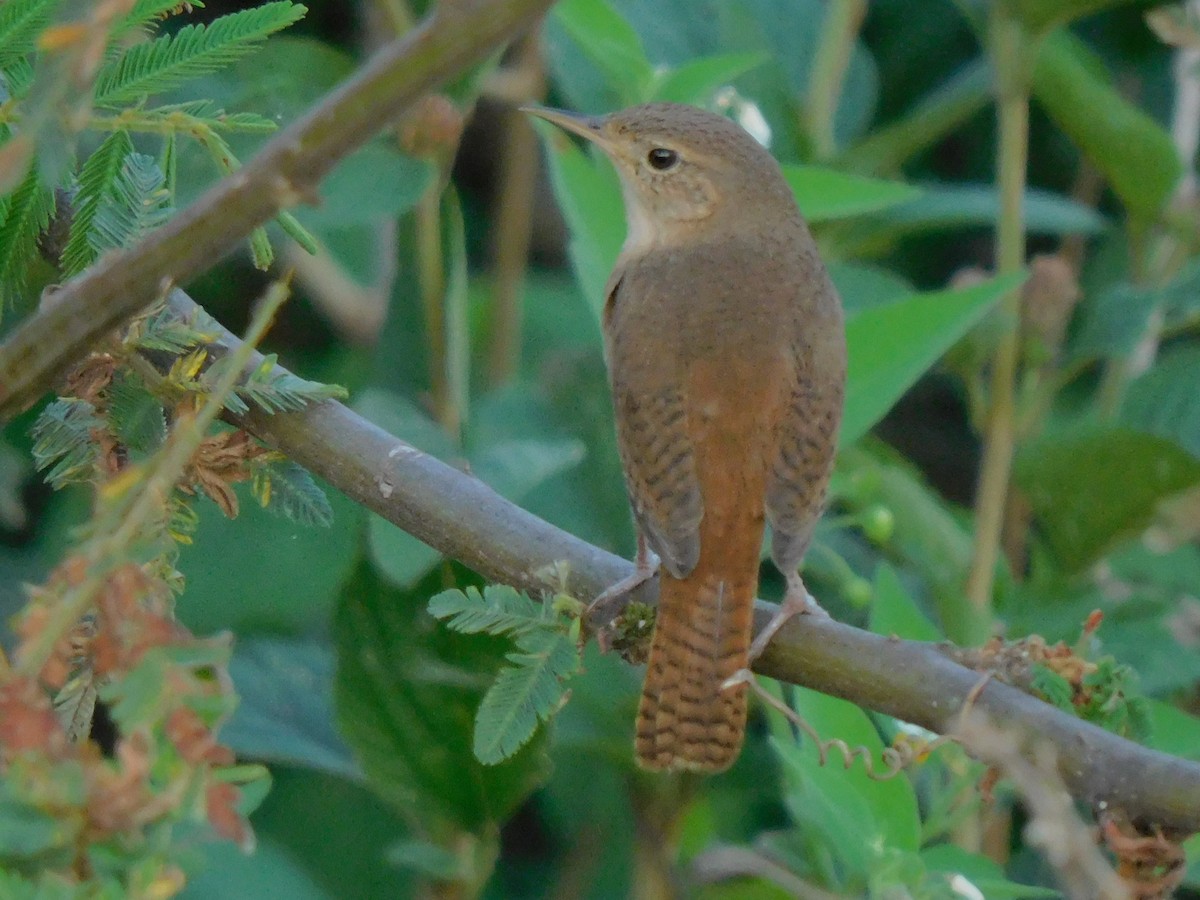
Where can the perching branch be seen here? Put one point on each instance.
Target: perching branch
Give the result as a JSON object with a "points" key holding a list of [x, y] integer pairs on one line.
{"points": [[286, 172], [463, 518]]}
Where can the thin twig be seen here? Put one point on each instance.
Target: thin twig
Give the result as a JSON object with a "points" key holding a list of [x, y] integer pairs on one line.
{"points": [[1011, 58]]}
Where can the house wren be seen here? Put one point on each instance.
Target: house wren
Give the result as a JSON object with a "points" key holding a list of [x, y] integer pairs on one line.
{"points": [[727, 360]]}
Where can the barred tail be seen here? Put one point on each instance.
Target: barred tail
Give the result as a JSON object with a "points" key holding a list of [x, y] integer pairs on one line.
{"points": [[702, 637]]}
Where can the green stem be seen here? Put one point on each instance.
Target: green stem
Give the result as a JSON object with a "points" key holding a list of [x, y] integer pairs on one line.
{"points": [[843, 19], [1010, 55]]}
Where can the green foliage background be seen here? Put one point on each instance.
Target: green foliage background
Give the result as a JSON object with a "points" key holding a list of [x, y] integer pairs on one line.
{"points": [[364, 706]]}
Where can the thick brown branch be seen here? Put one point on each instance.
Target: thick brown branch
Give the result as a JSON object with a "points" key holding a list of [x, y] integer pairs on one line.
{"points": [[464, 519], [286, 171]]}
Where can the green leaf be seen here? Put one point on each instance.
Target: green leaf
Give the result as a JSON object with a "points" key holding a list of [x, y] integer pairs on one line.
{"points": [[825, 194], [1042, 15], [97, 180], [63, 442], [429, 859], [945, 207], [893, 611], [1172, 730], [136, 202], [1133, 152], [402, 690], [499, 610], [274, 389], [696, 81], [20, 23], [285, 713], [165, 330], [287, 488], [610, 43], [1164, 401], [375, 182], [982, 873], [589, 195], [891, 346], [136, 415], [1092, 485], [163, 63], [26, 213], [529, 691], [145, 12], [856, 818]]}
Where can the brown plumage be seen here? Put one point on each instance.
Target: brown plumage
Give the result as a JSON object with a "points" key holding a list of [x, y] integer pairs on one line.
{"points": [[727, 362]]}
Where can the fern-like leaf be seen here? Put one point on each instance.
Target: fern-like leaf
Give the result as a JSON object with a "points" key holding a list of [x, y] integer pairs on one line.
{"points": [[149, 12], [137, 202], [166, 331], [530, 690], [166, 62], [26, 215], [96, 180], [63, 446], [15, 78], [288, 489], [277, 390], [136, 415], [500, 609], [20, 23]]}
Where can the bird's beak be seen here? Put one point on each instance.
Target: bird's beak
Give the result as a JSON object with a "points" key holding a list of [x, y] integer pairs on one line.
{"points": [[585, 126]]}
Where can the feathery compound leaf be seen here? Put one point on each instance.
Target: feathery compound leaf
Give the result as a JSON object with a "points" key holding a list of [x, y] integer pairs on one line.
{"points": [[63, 443], [288, 489], [96, 180], [165, 62], [500, 609], [136, 415], [146, 12], [20, 23], [277, 390], [137, 202], [26, 215], [530, 691], [166, 331]]}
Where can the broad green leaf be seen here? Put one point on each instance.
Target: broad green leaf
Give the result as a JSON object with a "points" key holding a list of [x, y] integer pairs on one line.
{"points": [[862, 286], [893, 611], [1165, 401], [285, 716], [429, 859], [589, 195], [1135, 154], [371, 184], [945, 207], [695, 82], [1041, 15], [404, 688], [1172, 730], [223, 872], [1094, 485], [300, 567], [824, 194], [855, 817], [891, 346], [610, 43], [982, 873]]}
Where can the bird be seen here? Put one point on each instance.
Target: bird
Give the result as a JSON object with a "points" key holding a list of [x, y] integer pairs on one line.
{"points": [[725, 345]]}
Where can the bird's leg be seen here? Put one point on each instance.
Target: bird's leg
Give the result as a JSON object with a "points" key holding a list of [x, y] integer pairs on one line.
{"points": [[796, 602], [646, 567]]}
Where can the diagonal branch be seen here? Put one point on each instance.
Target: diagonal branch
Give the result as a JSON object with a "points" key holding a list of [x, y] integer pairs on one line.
{"points": [[285, 172], [464, 519]]}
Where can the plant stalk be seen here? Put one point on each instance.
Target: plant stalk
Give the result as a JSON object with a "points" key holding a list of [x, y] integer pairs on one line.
{"points": [[1011, 59], [843, 19]]}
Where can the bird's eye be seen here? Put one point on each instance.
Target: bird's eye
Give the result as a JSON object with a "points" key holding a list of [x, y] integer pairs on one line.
{"points": [[662, 159]]}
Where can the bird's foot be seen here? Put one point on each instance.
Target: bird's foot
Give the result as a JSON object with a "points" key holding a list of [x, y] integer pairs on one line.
{"points": [[796, 602], [645, 568]]}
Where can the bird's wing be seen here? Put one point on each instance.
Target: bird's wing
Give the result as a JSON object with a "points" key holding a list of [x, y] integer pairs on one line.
{"points": [[652, 435], [806, 436]]}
